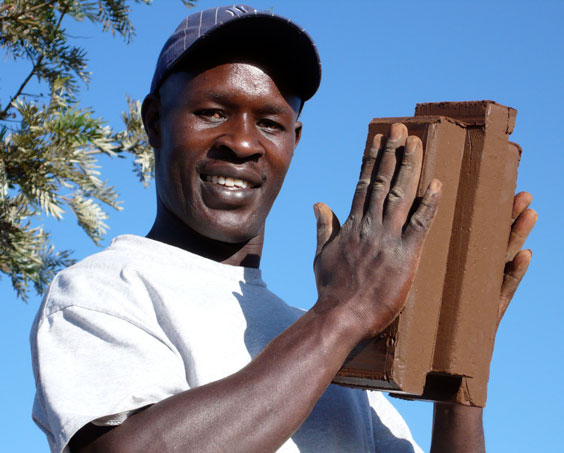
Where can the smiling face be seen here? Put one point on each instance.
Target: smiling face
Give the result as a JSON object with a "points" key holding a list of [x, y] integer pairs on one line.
{"points": [[223, 140]]}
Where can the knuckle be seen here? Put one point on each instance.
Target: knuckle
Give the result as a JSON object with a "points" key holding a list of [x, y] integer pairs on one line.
{"points": [[368, 159], [391, 146], [380, 183], [429, 205], [362, 184], [351, 221], [366, 228], [407, 164], [396, 194], [513, 280], [419, 223]]}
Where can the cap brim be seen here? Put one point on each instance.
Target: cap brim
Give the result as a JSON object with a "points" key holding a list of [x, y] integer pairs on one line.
{"points": [[274, 41]]}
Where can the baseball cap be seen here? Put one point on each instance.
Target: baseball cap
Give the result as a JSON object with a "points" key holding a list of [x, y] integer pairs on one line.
{"points": [[243, 31]]}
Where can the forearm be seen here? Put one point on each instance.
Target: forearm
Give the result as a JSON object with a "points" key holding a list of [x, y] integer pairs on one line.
{"points": [[257, 408], [457, 429], [364, 271]]}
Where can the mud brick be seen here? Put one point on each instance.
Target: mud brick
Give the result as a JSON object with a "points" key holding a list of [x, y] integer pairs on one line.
{"points": [[400, 358], [479, 238], [440, 346]]}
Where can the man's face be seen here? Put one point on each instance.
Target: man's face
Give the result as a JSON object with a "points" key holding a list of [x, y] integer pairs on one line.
{"points": [[226, 139]]}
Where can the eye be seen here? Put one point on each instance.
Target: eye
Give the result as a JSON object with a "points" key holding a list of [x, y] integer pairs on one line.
{"points": [[270, 125], [213, 115]]}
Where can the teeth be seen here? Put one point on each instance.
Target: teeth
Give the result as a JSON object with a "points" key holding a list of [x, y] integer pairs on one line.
{"points": [[228, 182]]}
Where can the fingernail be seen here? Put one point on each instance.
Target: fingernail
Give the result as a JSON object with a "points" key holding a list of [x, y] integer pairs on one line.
{"points": [[435, 186], [412, 145], [395, 131]]}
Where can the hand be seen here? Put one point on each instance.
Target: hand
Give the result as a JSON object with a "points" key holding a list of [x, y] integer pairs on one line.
{"points": [[367, 266], [517, 260], [457, 427]]}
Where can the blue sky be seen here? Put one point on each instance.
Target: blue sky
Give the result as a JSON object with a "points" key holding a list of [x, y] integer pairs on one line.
{"points": [[379, 59]]}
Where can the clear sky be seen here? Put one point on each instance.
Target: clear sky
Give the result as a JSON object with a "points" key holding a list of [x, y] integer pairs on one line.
{"points": [[379, 59]]}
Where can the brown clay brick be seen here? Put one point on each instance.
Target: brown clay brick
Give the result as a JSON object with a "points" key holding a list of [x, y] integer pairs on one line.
{"points": [[400, 358], [481, 229], [440, 346]]}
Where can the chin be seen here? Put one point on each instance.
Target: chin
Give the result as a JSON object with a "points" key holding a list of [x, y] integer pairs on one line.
{"points": [[231, 238], [231, 229], [230, 235]]}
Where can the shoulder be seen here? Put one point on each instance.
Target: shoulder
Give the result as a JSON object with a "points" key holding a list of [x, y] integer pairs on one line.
{"points": [[111, 281]]}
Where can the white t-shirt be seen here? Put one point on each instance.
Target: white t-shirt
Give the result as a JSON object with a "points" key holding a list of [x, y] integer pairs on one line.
{"points": [[142, 321]]}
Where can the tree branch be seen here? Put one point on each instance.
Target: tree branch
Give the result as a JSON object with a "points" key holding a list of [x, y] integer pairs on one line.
{"points": [[4, 112], [31, 9]]}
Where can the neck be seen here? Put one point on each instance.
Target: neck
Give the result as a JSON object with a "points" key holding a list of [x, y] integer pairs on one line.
{"points": [[170, 230]]}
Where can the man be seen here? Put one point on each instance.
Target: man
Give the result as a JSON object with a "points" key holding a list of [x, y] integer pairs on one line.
{"points": [[172, 342]]}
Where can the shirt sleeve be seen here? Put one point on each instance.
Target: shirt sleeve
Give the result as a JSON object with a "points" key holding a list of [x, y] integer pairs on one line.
{"points": [[97, 367], [390, 430]]}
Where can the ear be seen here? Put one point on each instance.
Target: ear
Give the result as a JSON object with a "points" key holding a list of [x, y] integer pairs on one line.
{"points": [[151, 114], [298, 132]]}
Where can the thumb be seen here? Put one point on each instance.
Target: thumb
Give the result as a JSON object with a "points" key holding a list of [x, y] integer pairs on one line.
{"points": [[327, 225]]}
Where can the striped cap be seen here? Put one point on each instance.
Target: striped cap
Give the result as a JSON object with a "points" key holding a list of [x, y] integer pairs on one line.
{"points": [[243, 31]]}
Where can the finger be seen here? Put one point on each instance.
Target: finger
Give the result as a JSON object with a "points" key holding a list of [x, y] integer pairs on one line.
{"points": [[520, 229], [382, 176], [401, 196], [327, 225], [521, 201], [421, 220], [514, 272], [368, 161]]}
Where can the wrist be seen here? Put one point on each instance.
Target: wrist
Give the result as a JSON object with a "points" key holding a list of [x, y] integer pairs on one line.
{"points": [[458, 411], [343, 323]]}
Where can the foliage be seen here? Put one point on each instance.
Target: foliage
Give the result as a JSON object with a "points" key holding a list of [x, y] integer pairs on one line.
{"points": [[49, 150]]}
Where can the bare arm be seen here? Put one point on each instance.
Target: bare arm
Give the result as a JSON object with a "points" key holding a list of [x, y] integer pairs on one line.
{"points": [[255, 409], [364, 271], [457, 428]]}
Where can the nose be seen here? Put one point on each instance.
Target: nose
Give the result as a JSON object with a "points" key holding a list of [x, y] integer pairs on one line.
{"points": [[242, 138]]}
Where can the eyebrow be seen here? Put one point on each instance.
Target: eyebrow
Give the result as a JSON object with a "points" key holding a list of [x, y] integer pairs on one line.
{"points": [[267, 109]]}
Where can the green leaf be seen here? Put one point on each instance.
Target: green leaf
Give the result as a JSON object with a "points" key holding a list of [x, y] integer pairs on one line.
{"points": [[49, 150]]}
